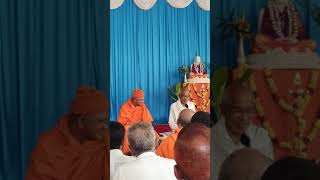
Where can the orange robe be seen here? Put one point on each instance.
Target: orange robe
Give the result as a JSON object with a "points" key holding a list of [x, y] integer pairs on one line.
{"points": [[58, 155], [129, 114], [166, 148]]}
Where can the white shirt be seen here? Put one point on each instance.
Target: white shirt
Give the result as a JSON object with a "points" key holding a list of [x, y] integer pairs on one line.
{"points": [[117, 158], [223, 145], [175, 110], [147, 166]]}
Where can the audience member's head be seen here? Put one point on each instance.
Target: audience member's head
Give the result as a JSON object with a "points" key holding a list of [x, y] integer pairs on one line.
{"points": [[141, 138], [185, 117], [202, 117], [117, 133], [292, 168], [192, 153], [88, 114], [238, 107], [244, 164]]}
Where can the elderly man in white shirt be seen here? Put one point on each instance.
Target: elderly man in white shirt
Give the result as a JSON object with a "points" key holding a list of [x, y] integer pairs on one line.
{"points": [[117, 158], [235, 130], [147, 166], [181, 104]]}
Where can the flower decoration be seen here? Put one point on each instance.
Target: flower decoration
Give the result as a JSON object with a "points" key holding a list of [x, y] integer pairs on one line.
{"points": [[302, 97], [235, 25]]}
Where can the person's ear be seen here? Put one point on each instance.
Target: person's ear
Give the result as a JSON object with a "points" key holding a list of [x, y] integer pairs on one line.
{"points": [[156, 142], [177, 172]]}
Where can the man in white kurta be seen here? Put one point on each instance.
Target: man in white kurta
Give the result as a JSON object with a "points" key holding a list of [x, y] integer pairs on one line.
{"points": [[117, 158], [235, 130], [223, 145], [147, 166], [181, 104]]}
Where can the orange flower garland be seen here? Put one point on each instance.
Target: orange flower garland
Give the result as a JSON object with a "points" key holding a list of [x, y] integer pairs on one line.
{"points": [[301, 100], [202, 94]]}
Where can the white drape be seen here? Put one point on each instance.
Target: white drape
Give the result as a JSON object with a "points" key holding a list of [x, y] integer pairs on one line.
{"points": [[145, 4], [114, 4]]}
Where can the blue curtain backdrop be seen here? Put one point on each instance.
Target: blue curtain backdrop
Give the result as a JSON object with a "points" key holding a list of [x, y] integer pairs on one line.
{"points": [[47, 49], [225, 52], [147, 48]]}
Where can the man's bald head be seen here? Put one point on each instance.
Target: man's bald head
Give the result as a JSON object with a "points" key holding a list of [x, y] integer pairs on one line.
{"points": [[185, 117], [192, 153], [244, 164]]}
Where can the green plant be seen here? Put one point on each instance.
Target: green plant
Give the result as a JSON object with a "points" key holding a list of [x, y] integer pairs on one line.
{"points": [[235, 26], [184, 69], [218, 83], [174, 92]]}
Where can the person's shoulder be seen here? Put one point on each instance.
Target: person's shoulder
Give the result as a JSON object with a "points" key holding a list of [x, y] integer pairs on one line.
{"points": [[128, 158], [125, 104], [174, 103], [258, 131], [166, 160], [49, 137], [128, 164], [54, 138]]}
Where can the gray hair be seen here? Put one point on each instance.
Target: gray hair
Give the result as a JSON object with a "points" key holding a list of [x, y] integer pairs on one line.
{"points": [[141, 137], [185, 117]]}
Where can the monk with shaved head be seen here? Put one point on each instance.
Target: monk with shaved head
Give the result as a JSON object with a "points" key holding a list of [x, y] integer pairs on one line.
{"points": [[133, 111], [192, 153], [166, 148], [77, 148]]}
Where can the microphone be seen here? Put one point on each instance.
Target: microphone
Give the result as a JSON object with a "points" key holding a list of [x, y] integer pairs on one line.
{"points": [[245, 140], [186, 106]]}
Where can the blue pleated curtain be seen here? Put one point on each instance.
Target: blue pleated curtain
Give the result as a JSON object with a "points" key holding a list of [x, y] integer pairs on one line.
{"points": [[147, 48], [225, 52], [47, 49]]}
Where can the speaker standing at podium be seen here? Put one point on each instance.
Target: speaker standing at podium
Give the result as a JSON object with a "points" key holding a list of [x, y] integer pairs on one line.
{"points": [[181, 104]]}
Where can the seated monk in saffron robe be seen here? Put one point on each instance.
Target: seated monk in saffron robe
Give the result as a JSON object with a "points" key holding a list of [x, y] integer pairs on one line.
{"points": [[280, 26], [166, 147], [133, 111], [77, 148]]}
